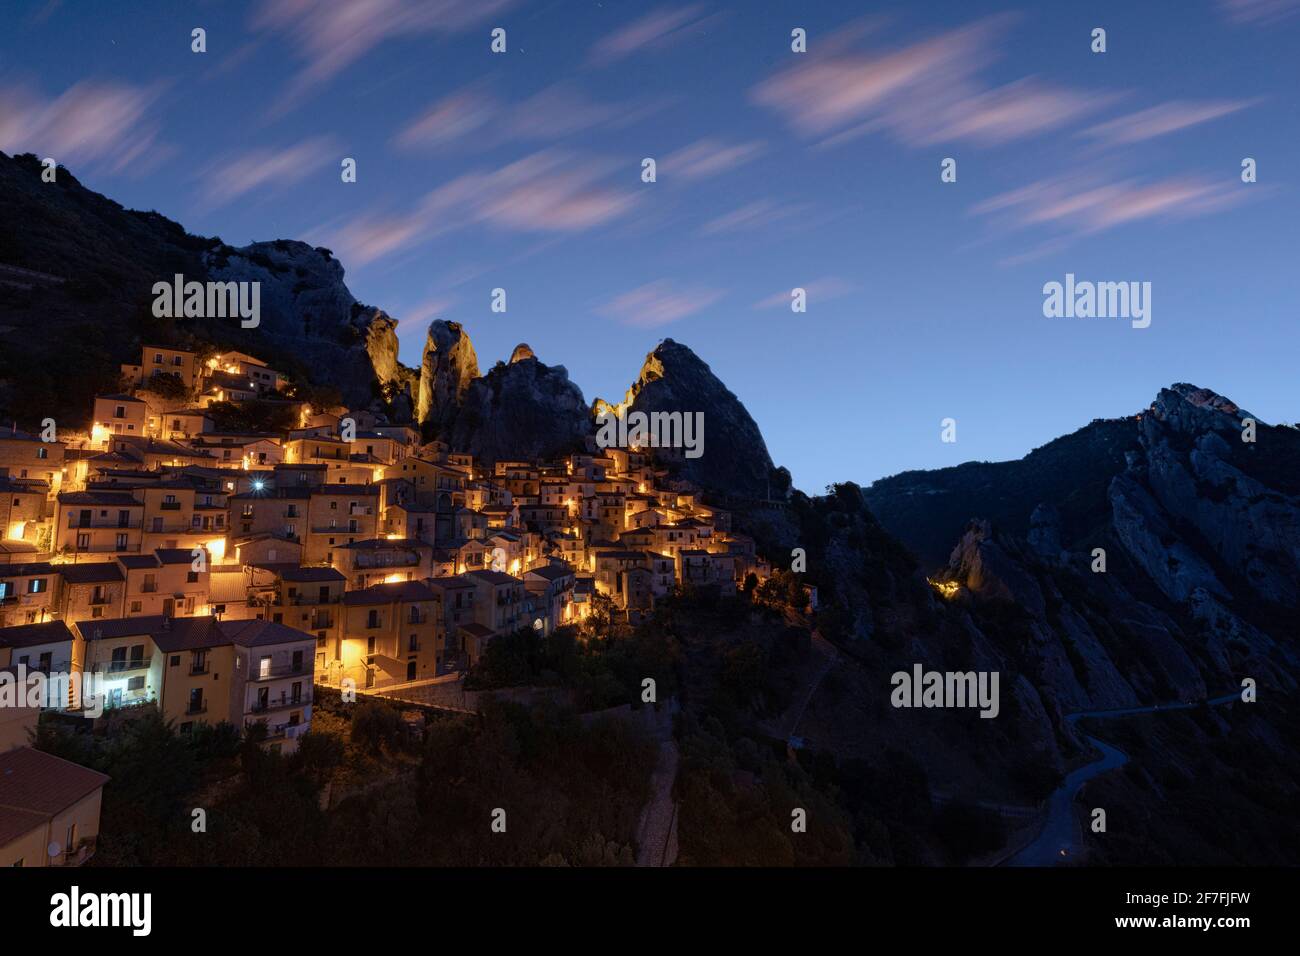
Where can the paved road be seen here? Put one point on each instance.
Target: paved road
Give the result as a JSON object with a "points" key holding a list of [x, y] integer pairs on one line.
{"points": [[1060, 840], [657, 829]]}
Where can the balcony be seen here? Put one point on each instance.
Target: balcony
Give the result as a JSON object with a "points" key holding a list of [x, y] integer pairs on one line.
{"points": [[285, 730], [130, 703], [279, 703], [122, 667], [107, 523], [75, 856], [200, 667], [280, 670], [169, 506], [194, 709]]}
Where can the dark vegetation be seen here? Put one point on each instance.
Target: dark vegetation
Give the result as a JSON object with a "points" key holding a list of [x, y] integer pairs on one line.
{"points": [[396, 793]]}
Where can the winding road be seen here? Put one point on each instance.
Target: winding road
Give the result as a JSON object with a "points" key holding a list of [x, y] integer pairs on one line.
{"points": [[1060, 839]]}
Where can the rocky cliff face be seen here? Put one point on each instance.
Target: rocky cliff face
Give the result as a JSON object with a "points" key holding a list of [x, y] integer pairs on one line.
{"points": [[735, 459], [100, 262], [1198, 530], [523, 409], [449, 365], [307, 309]]}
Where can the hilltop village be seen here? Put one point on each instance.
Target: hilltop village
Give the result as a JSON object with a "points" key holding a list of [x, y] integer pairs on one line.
{"points": [[219, 574]]}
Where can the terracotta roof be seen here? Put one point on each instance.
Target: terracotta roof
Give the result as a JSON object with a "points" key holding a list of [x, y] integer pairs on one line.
{"points": [[388, 593], [36, 786], [491, 577], [29, 635], [169, 633], [253, 633], [95, 572]]}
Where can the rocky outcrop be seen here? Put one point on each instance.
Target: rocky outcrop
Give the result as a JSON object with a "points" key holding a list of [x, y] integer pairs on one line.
{"points": [[522, 410], [521, 352], [307, 310], [734, 457], [448, 368], [1160, 569]]}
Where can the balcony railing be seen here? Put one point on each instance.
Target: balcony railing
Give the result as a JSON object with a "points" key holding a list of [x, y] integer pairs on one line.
{"points": [[200, 667], [280, 670], [130, 703], [169, 506], [279, 703], [75, 856], [121, 667], [200, 708]]}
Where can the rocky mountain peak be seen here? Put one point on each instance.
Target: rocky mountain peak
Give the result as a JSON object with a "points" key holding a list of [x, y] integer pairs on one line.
{"points": [[521, 352], [1191, 409], [521, 409], [674, 379], [450, 364]]}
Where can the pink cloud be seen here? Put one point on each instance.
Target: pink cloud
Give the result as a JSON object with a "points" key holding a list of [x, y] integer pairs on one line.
{"points": [[1258, 11], [926, 93], [653, 30], [231, 176], [90, 122], [658, 303], [1161, 120], [552, 113], [550, 192], [1082, 206], [330, 36], [708, 157], [818, 290], [759, 214]]}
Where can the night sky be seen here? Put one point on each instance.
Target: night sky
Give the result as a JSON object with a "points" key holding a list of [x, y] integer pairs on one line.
{"points": [[523, 170]]}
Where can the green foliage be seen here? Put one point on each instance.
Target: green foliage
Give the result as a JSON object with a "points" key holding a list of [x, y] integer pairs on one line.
{"points": [[253, 416], [377, 726], [572, 793], [167, 385], [738, 801]]}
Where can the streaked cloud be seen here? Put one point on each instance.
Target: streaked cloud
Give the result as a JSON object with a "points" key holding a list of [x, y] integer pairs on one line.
{"points": [[659, 303], [1162, 120], [707, 157], [229, 177], [553, 113], [655, 30], [818, 290], [91, 122], [1259, 11], [549, 192], [423, 312], [757, 215], [1081, 205], [926, 93], [330, 36]]}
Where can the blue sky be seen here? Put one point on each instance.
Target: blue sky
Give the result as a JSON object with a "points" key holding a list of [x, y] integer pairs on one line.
{"points": [[775, 170]]}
